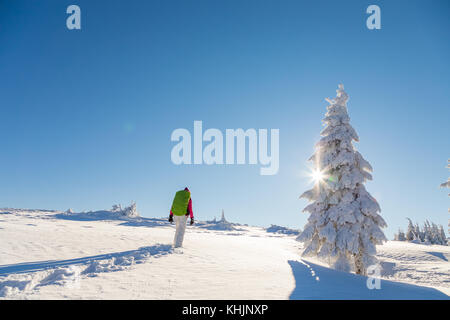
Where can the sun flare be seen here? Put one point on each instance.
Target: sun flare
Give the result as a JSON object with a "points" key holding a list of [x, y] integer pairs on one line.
{"points": [[317, 175]]}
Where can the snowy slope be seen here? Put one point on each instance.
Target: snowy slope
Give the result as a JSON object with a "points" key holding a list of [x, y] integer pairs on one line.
{"points": [[51, 255]]}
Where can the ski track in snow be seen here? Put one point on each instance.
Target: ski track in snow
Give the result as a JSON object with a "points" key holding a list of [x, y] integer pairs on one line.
{"points": [[29, 276], [50, 255]]}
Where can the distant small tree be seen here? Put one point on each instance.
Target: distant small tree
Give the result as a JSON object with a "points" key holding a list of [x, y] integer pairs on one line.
{"points": [[400, 236], [435, 234], [410, 233], [426, 231], [418, 234], [442, 235]]}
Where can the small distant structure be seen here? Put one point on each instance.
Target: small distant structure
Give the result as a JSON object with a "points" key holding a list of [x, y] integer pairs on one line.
{"points": [[222, 219], [221, 224]]}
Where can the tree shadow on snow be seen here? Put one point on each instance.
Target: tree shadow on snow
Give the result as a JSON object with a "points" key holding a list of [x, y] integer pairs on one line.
{"points": [[439, 255], [316, 282], [121, 258]]}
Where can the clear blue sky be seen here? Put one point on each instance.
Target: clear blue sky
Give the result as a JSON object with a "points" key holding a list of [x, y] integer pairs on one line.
{"points": [[86, 116]]}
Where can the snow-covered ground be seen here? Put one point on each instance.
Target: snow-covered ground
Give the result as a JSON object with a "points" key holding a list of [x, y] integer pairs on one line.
{"points": [[52, 255]]}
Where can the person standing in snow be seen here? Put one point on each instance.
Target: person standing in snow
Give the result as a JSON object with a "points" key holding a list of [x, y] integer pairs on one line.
{"points": [[181, 208]]}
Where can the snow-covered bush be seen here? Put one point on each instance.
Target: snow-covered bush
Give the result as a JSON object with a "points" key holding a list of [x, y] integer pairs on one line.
{"points": [[130, 211], [116, 212], [116, 208], [283, 230], [344, 225]]}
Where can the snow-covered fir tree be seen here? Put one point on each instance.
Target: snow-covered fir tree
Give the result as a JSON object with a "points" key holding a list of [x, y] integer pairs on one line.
{"points": [[435, 234], [344, 225], [419, 235], [443, 237], [427, 236], [410, 233], [400, 236]]}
